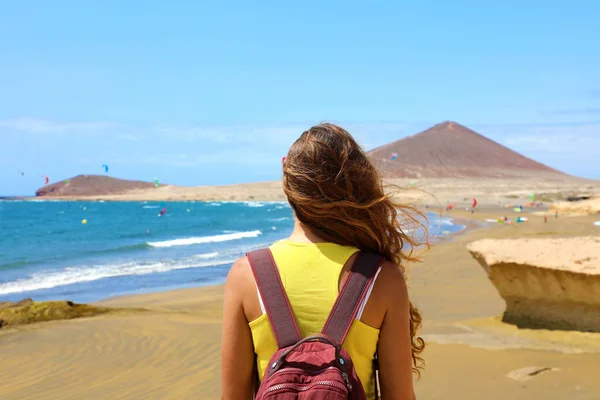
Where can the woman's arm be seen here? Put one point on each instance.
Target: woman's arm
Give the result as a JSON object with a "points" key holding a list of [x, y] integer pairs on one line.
{"points": [[237, 352], [394, 348]]}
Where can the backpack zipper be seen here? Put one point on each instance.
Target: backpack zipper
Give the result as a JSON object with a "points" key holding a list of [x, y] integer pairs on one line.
{"points": [[347, 380], [301, 388], [294, 369], [318, 372]]}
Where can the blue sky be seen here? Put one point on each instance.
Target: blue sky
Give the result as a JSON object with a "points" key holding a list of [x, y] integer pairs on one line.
{"points": [[199, 93]]}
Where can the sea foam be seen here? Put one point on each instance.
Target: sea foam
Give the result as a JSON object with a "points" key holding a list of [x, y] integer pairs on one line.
{"points": [[88, 273], [206, 239]]}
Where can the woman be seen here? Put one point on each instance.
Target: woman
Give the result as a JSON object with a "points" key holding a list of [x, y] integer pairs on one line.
{"points": [[340, 208]]}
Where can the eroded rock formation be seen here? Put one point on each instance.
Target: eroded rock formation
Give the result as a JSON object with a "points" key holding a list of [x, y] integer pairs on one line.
{"points": [[546, 283]]}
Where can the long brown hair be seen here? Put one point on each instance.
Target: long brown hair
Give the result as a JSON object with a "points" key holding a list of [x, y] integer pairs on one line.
{"points": [[336, 191]]}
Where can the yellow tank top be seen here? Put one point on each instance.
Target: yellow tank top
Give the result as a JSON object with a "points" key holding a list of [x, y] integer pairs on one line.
{"points": [[310, 275]]}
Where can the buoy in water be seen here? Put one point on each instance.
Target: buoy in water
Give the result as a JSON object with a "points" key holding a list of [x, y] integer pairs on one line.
{"points": [[84, 221], [188, 210]]}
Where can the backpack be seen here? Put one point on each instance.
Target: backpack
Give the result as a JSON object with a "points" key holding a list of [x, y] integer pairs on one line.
{"points": [[314, 367]]}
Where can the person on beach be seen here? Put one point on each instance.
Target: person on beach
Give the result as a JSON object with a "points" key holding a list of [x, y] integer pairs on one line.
{"points": [[340, 209]]}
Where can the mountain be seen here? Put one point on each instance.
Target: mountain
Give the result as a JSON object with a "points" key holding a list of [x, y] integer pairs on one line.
{"points": [[451, 150], [92, 185]]}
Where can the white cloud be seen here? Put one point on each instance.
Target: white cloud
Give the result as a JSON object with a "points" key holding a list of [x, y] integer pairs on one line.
{"points": [[233, 134], [578, 111], [231, 157], [278, 137], [281, 137], [34, 125], [372, 135], [524, 140], [570, 147], [575, 139]]}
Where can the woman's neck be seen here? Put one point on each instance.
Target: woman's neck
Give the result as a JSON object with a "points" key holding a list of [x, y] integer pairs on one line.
{"points": [[304, 234]]}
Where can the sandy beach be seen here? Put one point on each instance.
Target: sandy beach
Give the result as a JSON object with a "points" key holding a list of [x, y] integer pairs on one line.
{"points": [[171, 350], [493, 191]]}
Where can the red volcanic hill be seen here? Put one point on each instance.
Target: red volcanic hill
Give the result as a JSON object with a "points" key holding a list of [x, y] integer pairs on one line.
{"points": [[450, 150], [91, 185]]}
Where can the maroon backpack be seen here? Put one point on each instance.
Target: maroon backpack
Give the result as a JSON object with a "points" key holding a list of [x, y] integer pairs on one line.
{"points": [[314, 367]]}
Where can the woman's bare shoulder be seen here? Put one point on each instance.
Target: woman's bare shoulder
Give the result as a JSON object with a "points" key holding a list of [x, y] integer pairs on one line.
{"points": [[240, 282], [240, 273], [391, 282]]}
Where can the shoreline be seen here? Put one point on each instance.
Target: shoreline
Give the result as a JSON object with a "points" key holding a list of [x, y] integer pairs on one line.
{"points": [[168, 269], [467, 227]]}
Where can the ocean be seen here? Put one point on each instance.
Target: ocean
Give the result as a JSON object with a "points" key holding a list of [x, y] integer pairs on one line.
{"points": [[47, 253]]}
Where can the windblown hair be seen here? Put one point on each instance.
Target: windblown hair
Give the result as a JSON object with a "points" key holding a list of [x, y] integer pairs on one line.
{"points": [[336, 191]]}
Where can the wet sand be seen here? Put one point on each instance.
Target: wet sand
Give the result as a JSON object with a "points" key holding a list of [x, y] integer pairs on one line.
{"points": [[172, 350]]}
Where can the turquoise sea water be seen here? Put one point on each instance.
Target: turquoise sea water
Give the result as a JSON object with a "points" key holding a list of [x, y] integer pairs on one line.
{"points": [[125, 247]]}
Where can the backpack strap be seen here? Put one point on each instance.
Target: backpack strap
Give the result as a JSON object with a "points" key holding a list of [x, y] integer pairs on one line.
{"points": [[272, 293], [351, 296]]}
